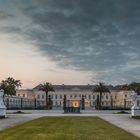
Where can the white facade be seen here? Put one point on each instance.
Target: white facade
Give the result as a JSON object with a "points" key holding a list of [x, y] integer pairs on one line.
{"points": [[40, 97], [114, 99], [75, 92]]}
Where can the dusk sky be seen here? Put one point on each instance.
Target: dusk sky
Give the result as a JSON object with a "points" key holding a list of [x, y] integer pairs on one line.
{"points": [[70, 41]]}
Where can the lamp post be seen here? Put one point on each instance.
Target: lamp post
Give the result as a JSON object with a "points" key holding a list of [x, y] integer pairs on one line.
{"points": [[124, 103], [64, 103], [83, 102]]}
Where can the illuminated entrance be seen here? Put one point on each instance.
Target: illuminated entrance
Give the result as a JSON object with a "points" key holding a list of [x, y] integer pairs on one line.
{"points": [[72, 106]]}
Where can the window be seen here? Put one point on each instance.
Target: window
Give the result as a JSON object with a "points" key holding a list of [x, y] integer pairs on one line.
{"points": [[38, 102], [55, 96], [60, 96], [75, 95], [42, 96], [79, 96], [89, 97], [93, 96], [18, 94], [70, 96], [23, 95], [138, 102], [38, 96], [106, 97], [56, 103]]}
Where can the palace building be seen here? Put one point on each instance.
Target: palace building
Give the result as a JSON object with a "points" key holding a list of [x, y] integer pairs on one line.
{"points": [[114, 99]]}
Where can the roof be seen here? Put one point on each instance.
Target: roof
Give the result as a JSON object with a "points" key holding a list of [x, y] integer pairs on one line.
{"points": [[69, 87], [76, 87]]}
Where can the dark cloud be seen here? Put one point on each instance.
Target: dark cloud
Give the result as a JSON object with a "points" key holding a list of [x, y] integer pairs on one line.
{"points": [[91, 35], [4, 15]]}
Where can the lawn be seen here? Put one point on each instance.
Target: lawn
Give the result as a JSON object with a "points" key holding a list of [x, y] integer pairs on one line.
{"points": [[66, 128]]}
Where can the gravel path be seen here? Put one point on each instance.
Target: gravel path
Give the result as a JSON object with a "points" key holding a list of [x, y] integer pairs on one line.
{"points": [[13, 120], [124, 121]]}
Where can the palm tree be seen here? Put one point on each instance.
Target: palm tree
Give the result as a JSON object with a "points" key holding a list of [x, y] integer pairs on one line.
{"points": [[101, 89], [46, 87], [10, 85]]}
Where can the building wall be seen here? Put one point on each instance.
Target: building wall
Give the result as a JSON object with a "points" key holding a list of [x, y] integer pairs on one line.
{"points": [[122, 98], [40, 97], [114, 99], [26, 93]]}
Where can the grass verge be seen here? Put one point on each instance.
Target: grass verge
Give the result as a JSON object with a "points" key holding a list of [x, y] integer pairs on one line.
{"points": [[66, 128]]}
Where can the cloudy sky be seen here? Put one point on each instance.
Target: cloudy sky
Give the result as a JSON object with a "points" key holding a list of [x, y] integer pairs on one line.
{"points": [[70, 41]]}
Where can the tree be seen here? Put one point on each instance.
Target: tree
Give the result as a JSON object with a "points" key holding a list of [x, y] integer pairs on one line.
{"points": [[132, 86], [10, 85], [101, 89], [46, 87]]}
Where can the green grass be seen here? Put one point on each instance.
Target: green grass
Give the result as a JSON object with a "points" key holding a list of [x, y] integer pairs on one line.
{"points": [[66, 128]]}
